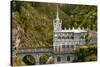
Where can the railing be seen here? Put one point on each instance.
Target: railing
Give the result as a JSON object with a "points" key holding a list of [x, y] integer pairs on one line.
{"points": [[35, 50]]}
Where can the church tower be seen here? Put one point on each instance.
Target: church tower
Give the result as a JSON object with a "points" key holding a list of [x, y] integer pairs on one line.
{"points": [[57, 23]]}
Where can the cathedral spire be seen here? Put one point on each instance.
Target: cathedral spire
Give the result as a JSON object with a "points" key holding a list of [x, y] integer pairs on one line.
{"points": [[57, 16]]}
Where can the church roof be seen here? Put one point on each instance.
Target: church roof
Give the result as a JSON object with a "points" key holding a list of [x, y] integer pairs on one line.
{"points": [[73, 30]]}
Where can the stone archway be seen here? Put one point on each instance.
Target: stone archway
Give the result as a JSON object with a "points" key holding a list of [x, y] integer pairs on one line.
{"points": [[43, 58], [35, 55], [29, 60]]}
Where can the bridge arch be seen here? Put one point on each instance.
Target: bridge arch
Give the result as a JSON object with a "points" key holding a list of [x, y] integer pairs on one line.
{"points": [[29, 60], [43, 58], [36, 53]]}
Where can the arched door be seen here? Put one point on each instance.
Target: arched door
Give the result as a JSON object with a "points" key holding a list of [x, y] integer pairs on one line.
{"points": [[58, 59], [68, 58]]}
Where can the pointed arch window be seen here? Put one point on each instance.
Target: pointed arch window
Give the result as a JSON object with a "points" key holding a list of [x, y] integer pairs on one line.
{"points": [[72, 46], [68, 58], [67, 46], [72, 37], [58, 59], [63, 37], [59, 37], [63, 46], [67, 37]]}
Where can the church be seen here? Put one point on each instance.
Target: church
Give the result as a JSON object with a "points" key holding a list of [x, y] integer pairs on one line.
{"points": [[65, 41]]}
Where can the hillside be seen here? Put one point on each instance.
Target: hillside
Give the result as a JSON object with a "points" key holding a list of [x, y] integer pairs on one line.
{"points": [[36, 20]]}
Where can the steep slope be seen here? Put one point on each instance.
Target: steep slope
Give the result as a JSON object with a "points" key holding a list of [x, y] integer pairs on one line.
{"points": [[36, 20]]}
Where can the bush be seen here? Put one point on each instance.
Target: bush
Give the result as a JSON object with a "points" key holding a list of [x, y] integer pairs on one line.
{"points": [[87, 53], [16, 61]]}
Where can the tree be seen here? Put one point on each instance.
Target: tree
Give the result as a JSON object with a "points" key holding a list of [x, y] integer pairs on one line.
{"points": [[87, 53], [37, 22]]}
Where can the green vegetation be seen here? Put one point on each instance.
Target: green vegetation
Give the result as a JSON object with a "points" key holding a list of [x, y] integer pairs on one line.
{"points": [[29, 60], [43, 59], [87, 53], [36, 19], [88, 37], [16, 61]]}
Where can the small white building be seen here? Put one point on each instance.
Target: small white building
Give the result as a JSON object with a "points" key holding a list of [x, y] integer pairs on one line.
{"points": [[65, 41]]}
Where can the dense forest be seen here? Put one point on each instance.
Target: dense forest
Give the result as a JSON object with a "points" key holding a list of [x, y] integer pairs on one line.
{"points": [[36, 20]]}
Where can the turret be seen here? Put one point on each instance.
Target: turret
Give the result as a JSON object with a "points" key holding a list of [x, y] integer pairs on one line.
{"points": [[57, 23]]}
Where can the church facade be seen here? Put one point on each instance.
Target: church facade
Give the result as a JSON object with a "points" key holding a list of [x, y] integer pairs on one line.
{"points": [[65, 41]]}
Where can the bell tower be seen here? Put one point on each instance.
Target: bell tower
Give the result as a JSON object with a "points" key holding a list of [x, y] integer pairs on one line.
{"points": [[57, 23]]}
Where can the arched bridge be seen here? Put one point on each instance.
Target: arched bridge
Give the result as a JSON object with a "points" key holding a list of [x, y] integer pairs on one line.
{"points": [[36, 52]]}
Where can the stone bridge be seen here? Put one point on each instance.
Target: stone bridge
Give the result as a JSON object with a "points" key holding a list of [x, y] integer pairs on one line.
{"points": [[38, 52], [35, 52]]}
